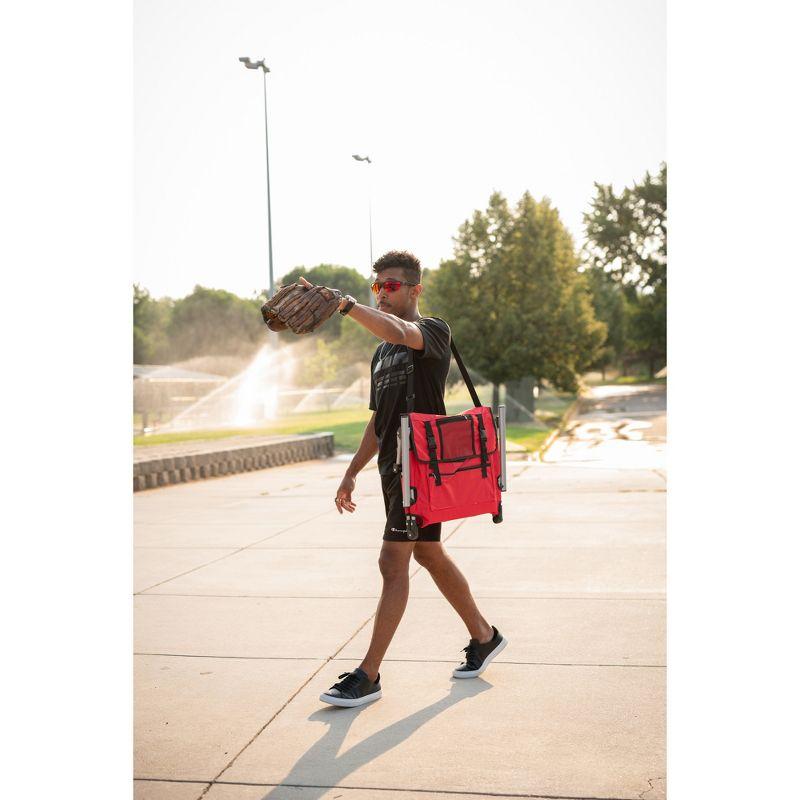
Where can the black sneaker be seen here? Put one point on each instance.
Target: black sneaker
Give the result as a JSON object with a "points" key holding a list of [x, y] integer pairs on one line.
{"points": [[355, 690], [479, 655]]}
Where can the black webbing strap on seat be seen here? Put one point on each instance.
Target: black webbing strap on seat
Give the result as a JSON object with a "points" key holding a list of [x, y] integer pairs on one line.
{"points": [[432, 452], [482, 435]]}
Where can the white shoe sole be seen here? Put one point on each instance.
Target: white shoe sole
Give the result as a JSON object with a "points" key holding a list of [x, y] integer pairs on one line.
{"points": [[475, 672], [348, 702]]}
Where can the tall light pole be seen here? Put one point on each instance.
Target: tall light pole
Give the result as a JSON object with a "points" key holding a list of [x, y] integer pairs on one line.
{"points": [[369, 205], [250, 64]]}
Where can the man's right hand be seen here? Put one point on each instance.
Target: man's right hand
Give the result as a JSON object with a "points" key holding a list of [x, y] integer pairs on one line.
{"points": [[344, 495]]}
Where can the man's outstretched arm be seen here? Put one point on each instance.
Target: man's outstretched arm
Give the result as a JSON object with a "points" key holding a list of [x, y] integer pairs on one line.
{"points": [[388, 327], [385, 326], [366, 450]]}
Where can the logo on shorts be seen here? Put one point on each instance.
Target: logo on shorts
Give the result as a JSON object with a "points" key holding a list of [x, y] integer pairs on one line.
{"points": [[398, 530]]}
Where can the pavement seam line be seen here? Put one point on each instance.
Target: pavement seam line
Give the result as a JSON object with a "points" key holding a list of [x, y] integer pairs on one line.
{"points": [[403, 660], [456, 792], [228, 555], [575, 546], [449, 792], [658, 597], [171, 780], [263, 727], [296, 692], [253, 546], [310, 677], [391, 789]]}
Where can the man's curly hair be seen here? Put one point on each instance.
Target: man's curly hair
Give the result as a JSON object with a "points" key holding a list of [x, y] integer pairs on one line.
{"points": [[408, 262]]}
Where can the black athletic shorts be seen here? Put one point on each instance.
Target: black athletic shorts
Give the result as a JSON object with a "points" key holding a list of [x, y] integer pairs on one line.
{"points": [[395, 530]]}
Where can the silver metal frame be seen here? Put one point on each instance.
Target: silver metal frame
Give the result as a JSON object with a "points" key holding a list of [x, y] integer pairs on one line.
{"points": [[405, 443], [501, 413]]}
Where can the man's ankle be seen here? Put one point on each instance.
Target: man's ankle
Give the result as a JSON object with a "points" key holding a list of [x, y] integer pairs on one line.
{"points": [[372, 674], [487, 637]]}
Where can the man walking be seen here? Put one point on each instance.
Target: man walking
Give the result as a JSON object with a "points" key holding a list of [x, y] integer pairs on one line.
{"points": [[398, 323]]}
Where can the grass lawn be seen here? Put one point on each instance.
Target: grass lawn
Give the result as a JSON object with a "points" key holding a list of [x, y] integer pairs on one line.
{"points": [[347, 425], [526, 435], [550, 409], [613, 378], [636, 379]]}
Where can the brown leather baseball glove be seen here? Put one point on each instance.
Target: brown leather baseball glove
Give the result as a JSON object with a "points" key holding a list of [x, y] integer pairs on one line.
{"points": [[299, 307]]}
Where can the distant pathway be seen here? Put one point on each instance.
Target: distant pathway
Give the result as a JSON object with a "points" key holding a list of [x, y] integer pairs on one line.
{"points": [[623, 426]]}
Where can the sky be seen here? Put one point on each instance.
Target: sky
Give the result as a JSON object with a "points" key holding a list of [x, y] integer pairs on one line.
{"points": [[451, 100]]}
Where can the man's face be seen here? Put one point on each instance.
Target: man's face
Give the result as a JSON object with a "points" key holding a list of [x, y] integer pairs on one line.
{"points": [[400, 301]]}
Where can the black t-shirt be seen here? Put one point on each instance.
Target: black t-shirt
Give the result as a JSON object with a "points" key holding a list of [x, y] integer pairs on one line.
{"points": [[387, 395]]}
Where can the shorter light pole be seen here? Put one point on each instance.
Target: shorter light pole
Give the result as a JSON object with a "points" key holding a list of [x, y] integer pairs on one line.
{"points": [[369, 206]]}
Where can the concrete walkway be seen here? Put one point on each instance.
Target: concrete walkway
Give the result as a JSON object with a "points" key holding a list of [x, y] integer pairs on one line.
{"points": [[253, 594]]}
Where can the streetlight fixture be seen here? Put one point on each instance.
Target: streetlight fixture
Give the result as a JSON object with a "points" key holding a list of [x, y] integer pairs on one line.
{"points": [[251, 64], [369, 203]]}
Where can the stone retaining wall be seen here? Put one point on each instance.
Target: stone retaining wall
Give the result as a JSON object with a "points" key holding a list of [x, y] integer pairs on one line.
{"points": [[207, 462]]}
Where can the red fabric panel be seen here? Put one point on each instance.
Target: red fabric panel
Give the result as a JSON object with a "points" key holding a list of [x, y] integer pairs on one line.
{"points": [[463, 491], [420, 444], [456, 439]]}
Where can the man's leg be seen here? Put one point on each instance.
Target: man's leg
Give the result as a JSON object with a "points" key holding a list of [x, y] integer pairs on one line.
{"points": [[453, 585], [393, 562]]}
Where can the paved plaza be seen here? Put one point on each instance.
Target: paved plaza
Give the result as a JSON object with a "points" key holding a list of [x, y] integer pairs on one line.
{"points": [[253, 594]]}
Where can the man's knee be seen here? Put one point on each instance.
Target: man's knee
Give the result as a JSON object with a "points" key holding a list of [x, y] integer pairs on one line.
{"points": [[393, 560], [429, 554]]}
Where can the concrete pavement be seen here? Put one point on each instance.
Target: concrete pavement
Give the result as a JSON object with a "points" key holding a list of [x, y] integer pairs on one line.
{"points": [[253, 594]]}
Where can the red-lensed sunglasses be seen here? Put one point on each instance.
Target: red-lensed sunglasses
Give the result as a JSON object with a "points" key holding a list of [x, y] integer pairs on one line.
{"points": [[391, 285]]}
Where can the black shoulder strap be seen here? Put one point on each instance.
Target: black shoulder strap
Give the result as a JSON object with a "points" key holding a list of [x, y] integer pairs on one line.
{"points": [[464, 374], [410, 377], [409, 380]]}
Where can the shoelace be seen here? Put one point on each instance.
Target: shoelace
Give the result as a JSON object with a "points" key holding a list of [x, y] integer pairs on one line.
{"points": [[350, 681], [472, 655]]}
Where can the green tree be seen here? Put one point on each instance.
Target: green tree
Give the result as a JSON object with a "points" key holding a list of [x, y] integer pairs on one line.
{"points": [[611, 307], [516, 303], [214, 322], [647, 323], [346, 279], [627, 242], [319, 368], [355, 344], [150, 322], [627, 232], [323, 364]]}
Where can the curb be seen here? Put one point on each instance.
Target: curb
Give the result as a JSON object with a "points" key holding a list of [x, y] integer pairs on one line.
{"points": [[156, 472], [575, 408]]}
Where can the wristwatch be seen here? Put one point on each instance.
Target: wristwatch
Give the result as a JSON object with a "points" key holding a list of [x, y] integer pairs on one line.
{"points": [[351, 301]]}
